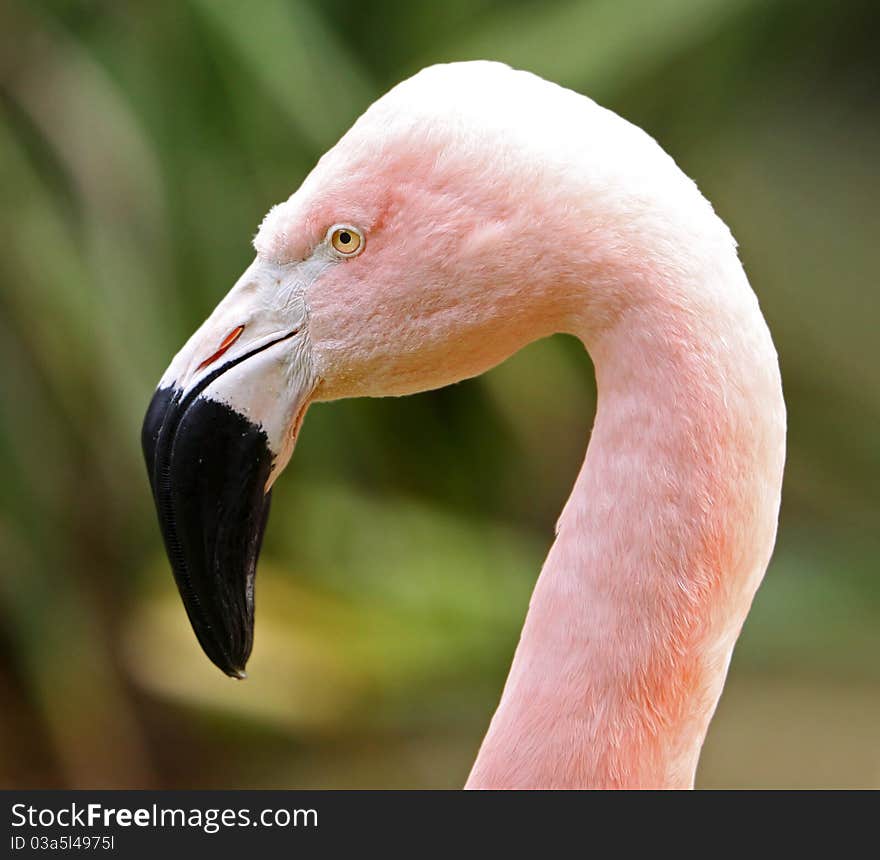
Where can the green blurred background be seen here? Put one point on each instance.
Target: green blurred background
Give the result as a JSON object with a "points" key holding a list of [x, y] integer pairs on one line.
{"points": [[140, 144]]}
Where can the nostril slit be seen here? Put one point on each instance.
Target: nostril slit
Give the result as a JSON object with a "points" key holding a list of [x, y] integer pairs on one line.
{"points": [[227, 341]]}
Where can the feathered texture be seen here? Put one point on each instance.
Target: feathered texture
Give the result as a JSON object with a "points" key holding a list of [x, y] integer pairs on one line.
{"points": [[497, 209]]}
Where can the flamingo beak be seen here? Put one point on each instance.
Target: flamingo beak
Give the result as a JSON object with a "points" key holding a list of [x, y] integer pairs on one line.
{"points": [[219, 429]]}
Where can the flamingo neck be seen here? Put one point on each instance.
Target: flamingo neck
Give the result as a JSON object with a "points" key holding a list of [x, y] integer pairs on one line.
{"points": [[659, 551]]}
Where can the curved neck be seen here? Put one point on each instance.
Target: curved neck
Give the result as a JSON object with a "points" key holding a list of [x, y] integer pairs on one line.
{"points": [[658, 553]]}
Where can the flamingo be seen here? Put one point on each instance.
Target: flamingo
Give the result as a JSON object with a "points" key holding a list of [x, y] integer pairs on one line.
{"points": [[469, 211]]}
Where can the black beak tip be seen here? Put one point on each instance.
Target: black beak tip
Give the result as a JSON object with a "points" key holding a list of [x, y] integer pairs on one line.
{"points": [[208, 468], [225, 644]]}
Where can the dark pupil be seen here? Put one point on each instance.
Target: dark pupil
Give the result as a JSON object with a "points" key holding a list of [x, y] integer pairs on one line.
{"points": [[345, 237]]}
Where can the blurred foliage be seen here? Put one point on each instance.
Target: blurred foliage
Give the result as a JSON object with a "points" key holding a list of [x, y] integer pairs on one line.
{"points": [[140, 145]]}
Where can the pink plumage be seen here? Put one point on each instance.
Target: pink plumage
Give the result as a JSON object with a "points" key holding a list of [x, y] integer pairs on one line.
{"points": [[497, 208]]}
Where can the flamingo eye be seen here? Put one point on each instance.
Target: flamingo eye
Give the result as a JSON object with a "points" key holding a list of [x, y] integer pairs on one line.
{"points": [[346, 240]]}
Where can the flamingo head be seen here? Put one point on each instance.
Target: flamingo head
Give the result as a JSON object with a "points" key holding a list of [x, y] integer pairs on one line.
{"points": [[414, 255]]}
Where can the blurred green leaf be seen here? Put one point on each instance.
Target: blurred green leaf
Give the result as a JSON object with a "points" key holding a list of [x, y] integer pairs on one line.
{"points": [[599, 45], [295, 56]]}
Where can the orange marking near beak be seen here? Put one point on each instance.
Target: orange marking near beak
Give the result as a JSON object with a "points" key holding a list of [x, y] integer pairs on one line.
{"points": [[230, 339]]}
